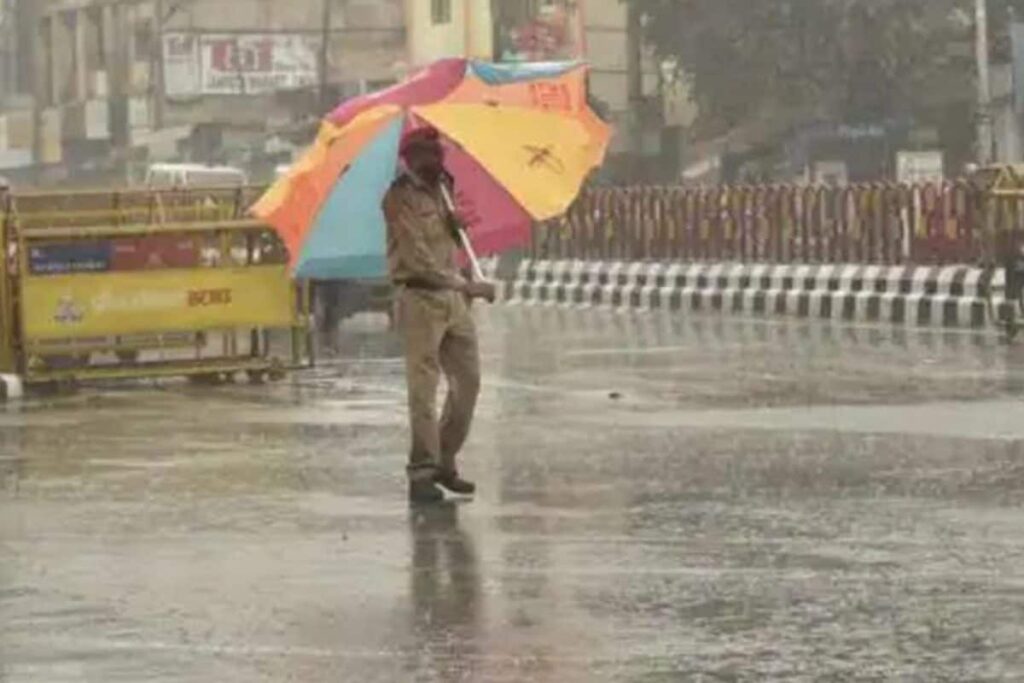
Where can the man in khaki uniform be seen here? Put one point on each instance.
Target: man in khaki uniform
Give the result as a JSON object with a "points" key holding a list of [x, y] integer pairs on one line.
{"points": [[432, 311]]}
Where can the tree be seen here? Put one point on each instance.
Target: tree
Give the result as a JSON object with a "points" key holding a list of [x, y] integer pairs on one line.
{"points": [[842, 60]]}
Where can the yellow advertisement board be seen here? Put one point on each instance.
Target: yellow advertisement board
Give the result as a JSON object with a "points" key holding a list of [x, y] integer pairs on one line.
{"points": [[119, 303]]}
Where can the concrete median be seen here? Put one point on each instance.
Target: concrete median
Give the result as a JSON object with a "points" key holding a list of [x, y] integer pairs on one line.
{"points": [[926, 296]]}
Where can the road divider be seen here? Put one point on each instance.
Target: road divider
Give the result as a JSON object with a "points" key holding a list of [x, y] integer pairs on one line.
{"points": [[926, 296]]}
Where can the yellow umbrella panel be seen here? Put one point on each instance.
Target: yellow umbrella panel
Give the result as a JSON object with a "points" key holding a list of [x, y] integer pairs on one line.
{"points": [[541, 158]]}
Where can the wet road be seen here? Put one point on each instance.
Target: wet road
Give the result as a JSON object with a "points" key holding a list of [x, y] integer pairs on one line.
{"points": [[695, 499]]}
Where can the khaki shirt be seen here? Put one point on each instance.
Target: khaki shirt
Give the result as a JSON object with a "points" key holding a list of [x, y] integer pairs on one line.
{"points": [[421, 247]]}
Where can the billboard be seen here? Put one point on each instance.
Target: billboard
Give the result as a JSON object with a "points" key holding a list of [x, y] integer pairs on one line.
{"points": [[238, 64]]}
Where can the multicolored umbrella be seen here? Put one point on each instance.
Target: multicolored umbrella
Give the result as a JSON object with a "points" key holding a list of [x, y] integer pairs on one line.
{"points": [[520, 141]]}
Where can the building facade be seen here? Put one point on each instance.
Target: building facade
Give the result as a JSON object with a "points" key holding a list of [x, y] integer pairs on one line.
{"points": [[105, 87], [448, 28], [92, 91], [16, 110]]}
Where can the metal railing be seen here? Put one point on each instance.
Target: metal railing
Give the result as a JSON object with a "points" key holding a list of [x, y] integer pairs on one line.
{"points": [[882, 223], [144, 283]]}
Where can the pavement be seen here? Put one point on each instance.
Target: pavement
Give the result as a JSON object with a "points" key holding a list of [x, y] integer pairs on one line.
{"points": [[662, 499]]}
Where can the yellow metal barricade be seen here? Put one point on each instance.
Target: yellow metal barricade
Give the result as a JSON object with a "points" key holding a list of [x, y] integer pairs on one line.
{"points": [[147, 283]]}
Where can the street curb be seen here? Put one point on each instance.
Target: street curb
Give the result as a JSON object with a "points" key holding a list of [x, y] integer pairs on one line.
{"points": [[924, 296], [665, 330]]}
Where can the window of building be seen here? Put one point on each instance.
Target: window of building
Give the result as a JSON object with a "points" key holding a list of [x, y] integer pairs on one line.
{"points": [[440, 11]]}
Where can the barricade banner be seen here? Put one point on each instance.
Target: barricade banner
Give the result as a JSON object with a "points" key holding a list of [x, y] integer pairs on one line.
{"points": [[120, 303], [77, 257]]}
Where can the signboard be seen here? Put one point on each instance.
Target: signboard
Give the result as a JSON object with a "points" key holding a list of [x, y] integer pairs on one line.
{"points": [[109, 304], [238, 64], [129, 253], [919, 167], [181, 64], [154, 251], [79, 257], [545, 34]]}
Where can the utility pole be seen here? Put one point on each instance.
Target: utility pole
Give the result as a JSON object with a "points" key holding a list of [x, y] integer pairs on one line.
{"points": [[325, 54], [40, 74], [157, 78], [467, 29], [11, 47], [635, 85], [984, 113], [8, 47], [581, 29]]}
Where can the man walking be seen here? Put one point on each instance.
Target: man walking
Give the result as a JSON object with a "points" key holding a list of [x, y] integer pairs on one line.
{"points": [[432, 311]]}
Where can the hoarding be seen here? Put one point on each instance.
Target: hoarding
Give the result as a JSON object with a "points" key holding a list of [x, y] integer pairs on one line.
{"points": [[238, 64]]}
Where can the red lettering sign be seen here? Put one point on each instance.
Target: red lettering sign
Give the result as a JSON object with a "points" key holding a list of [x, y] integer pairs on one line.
{"points": [[242, 57]]}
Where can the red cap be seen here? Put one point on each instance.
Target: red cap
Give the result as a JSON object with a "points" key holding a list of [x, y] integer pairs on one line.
{"points": [[417, 137]]}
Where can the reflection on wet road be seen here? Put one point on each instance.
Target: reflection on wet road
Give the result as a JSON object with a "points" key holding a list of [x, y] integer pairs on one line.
{"points": [[661, 499]]}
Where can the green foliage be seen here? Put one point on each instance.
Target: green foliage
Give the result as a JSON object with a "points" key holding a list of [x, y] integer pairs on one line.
{"points": [[844, 60]]}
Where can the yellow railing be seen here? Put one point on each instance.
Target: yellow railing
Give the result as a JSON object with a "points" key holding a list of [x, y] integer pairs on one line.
{"points": [[139, 283]]}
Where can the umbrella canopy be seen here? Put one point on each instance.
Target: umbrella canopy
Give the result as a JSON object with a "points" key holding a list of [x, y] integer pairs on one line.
{"points": [[519, 141]]}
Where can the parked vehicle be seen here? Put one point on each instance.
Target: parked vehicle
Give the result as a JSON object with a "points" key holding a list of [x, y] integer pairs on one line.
{"points": [[194, 175]]}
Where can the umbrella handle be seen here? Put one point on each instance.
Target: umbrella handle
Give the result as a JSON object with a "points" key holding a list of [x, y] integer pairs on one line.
{"points": [[478, 273]]}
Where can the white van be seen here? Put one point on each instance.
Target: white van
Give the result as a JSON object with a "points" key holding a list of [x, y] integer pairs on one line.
{"points": [[194, 175]]}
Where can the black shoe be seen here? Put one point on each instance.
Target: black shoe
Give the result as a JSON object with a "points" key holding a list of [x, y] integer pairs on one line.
{"points": [[456, 484], [423, 491]]}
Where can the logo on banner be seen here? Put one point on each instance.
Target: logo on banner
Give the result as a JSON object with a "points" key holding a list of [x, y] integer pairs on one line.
{"points": [[68, 312]]}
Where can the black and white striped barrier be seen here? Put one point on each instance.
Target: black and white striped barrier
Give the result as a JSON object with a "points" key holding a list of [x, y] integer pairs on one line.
{"points": [[953, 296]]}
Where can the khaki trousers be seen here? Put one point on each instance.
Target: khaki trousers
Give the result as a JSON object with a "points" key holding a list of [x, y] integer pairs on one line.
{"points": [[439, 336]]}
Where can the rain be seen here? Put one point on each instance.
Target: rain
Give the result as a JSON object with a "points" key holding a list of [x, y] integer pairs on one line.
{"points": [[511, 340]]}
